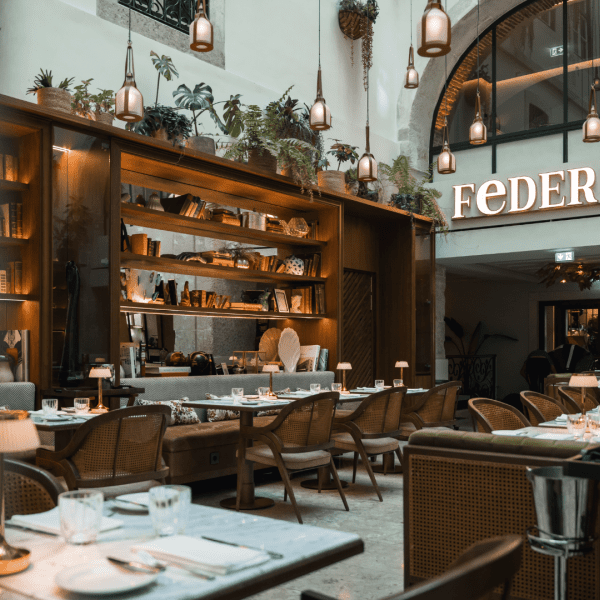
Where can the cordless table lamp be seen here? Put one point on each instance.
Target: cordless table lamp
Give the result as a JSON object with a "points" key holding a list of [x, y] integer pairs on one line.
{"points": [[401, 364], [270, 369], [583, 381], [100, 373], [17, 434], [343, 367]]}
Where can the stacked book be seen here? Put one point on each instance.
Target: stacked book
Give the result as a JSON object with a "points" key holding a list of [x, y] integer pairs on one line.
{"points": [[312, 299], [258, 262], [312, 265], [245, 306], [11, 278], [186, 206], [153, 247], [223, 259], [11, 220], [212, 300], [222, 215]]}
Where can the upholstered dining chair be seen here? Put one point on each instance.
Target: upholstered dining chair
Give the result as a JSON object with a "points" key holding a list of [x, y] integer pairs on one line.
{"points": [[434, 408], [28, 489], [492, 414], [572, 399], [479, 570], [540, 408], [371, 429], [120, 447], [298, 439]]}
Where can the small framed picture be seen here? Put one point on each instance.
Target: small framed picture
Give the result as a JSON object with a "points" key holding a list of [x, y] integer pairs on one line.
{"points": [[281, 301]]}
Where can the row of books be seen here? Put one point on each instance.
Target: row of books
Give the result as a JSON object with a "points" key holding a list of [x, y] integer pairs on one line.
{"points": [[186, 206], [312, 265], [11, 220], [308, 300], [142, 244], [8, 167], [11, 278], [258, 262]]}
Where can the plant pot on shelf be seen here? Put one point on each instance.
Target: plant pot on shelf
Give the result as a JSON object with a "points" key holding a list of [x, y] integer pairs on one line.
{"points": [[103, 117], [54, 98], [264, 161], [407, 202], [352, 188], [201, 143], [163, 135], [332, 180], [352, 24]]}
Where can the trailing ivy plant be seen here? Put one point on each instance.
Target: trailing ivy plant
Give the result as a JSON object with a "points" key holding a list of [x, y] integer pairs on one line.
{"points": [[44, 80]]}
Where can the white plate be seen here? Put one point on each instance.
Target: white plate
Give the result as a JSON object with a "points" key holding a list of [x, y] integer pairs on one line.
{"points": [[56, 418], [510, 432], [254, 403], [140, 498], [101, 578]]}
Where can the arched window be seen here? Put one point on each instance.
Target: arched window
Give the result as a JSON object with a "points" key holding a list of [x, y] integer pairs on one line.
{"points": [[537, 64]]}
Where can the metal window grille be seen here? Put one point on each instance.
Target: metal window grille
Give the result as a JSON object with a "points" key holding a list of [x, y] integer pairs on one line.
{"points": [[174, 13]]}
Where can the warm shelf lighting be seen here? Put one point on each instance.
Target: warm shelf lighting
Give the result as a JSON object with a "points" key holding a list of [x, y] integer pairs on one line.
{"points": [[129, 103], [411, 79], [201, 30], [434, 31], [591, 127], [320, 115]]}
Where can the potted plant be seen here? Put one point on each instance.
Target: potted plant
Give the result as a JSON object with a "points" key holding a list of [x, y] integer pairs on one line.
{"points": [[103, 103], [199, 101], [360, 188], [56, 98], [413, 195], [336, 180], [81, 100]]}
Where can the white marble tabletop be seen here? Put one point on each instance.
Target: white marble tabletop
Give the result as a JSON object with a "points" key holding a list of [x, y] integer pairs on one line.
{"points": [[304, 549]]}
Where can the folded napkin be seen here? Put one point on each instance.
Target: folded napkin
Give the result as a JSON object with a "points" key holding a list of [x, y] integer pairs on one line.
{"points": [[511, 432], [213, 397], [368, 389], [49, 522], [202, 555], [561, 418], [554, 436], [41, 412]]}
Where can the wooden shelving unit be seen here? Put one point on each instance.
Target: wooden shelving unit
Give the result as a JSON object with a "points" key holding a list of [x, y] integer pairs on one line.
{"points": [[187, 311], [13, 186], [16, 297], [12, 242]]}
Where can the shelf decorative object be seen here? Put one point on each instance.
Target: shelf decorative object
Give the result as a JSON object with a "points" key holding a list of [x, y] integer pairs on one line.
{"points": [[289, 349], [294, 265], [269, 344]]}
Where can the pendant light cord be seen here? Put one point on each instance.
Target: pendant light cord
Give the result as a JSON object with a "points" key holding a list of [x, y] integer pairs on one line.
{"points": [[319, 34], [478, 69], [411, 34], [130, 25], [368, 70]]}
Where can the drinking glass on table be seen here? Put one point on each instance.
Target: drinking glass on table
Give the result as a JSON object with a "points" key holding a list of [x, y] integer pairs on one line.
{"points": [[263, 392], [315, 388], [398, 383], [82, 405], [49, 406], [237, 394], [168, 507], [80, 516], [379, 383], [336, 387], [576, 425], [593, 420]]}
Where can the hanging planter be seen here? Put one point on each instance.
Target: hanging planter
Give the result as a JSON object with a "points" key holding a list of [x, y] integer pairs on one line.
{"points": [[353, 24]]}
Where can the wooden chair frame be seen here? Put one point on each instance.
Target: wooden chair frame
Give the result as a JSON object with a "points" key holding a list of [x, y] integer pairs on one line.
{"points": [[267, 435], [571, 405], [481, 419], [61, 464], [532, 411], [413, 416]]}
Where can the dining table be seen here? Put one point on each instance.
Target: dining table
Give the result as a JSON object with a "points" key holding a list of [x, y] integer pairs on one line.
{"points": [[290, 551], [63, 430]]}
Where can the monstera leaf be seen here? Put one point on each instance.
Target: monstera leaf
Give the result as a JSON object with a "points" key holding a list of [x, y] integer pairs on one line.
{"points": [[231, 111], [199, 100], [164, 65]]}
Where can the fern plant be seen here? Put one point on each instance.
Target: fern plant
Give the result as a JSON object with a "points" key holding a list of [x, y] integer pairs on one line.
{"points": [[44, 80]]}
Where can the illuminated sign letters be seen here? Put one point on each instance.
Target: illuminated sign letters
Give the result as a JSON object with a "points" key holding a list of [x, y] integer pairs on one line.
{"points": [[524, 194]]}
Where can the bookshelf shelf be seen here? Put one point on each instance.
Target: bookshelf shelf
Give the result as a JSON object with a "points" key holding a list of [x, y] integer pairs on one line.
{"points": [[195, 269], [154, 219], [10, 242], [16, 297], [13, 186], [162, 309]]}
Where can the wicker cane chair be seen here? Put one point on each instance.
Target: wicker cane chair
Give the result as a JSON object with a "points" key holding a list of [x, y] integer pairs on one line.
{"points": [[572, 399], [491, 414], [371, 429], [298, 439], [478, 571], [120, 447], [28, 489], [540, 408], [434, 408]]}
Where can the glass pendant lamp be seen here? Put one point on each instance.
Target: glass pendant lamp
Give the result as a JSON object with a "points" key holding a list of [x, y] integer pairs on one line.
{"points": [[591, 127], [411, 79], [320, 115], [433, 31], [201, 30], [446, 162], [129, 103], [367, 165], [478, 130]]}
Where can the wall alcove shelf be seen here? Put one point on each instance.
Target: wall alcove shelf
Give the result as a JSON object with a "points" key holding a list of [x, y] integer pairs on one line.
{"points": [[8, 242], [13, 186], [16, 297]]}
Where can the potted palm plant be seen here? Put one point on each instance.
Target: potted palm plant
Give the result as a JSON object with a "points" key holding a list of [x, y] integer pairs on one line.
{"points": [[48, 96], [336, 180]]}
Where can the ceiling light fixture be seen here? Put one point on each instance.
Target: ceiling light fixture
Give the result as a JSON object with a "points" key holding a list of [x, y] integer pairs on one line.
{"points": [[591, 127], [320, 115], [446, 162], [411, 79], [201, 30], [434, 31], [129, 103], [367, 165], [478, 130]]}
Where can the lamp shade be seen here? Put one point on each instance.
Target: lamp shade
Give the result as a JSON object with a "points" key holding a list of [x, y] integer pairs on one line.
{"points": [[591, 127], [129, 103], [101, 372], [401, 364], [320, 115], [344, 366], [478, 130], [583, 381], [271, 369], [446, 162], [433, 31], [201, 31], [411, 79], [17, 432]]}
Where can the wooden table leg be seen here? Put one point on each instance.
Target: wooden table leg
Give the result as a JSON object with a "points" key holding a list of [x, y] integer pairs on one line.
{"points": [[248, 500], [388, 465], [325, 480]]}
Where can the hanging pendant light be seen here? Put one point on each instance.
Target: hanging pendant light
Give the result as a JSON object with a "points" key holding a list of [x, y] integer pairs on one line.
{"points": [[446, 162], [478, 130], [411, 79], [201, 30], [129, 103], [367, 165], [320, 115], [591, 127], [433, 31]]}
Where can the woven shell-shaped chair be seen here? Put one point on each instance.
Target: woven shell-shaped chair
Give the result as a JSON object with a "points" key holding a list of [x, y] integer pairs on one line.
{"points": [[298, 439], [434, 408], [120, 447], [540, 408], [572, 399], [28, 489], [371, 429], [493, 414]]}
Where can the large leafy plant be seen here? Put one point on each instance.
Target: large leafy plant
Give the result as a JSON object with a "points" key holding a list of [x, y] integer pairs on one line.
{"points": [[44, 80], [165, 67], [177, 125], [471, 344]]}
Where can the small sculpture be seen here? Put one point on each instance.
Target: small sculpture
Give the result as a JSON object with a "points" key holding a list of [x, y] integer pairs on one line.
{"points": [[154, 202], [185, 295], [140, 201], [296, 301], [264, 300]]}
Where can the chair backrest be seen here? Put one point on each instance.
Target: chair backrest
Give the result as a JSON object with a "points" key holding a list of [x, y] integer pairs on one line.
{"points": [[379, 414], [28, 489], [478, 571], [18, 395], [306, 423], [540, 408], [492, 414], [122, 446], [572, 398], [438, 405]]}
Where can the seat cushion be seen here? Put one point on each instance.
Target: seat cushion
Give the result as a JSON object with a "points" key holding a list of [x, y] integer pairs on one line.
{"points": [[302, 460], [345, 441]]}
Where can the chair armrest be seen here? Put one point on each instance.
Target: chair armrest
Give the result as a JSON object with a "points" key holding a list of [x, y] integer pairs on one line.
{"points": [[413, 418]]}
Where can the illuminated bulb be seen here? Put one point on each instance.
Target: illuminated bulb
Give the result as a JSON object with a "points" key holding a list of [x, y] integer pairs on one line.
{"points": [[563, 281], [446, 162], [201, 31], [591, 127], [129, 103], [320, 115], [478, 130], [411, 79], [433, 31], [367, 165]]}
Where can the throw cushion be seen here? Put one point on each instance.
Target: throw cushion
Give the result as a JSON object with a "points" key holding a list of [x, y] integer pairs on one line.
{"points": [[180, 415], [217, 414]]}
